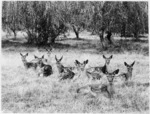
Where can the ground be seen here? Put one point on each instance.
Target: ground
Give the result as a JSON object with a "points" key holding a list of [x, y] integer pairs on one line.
{"points": [[23, 91]]}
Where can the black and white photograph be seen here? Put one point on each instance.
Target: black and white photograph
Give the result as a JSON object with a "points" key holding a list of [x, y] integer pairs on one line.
{"points": [[75, 57]]}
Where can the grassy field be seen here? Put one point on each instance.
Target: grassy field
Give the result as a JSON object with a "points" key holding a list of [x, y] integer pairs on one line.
{"points": [[23, 91]]}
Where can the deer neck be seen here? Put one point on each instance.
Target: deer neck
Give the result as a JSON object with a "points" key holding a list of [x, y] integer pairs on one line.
{"points": [[24, 61], [111, 84], [42, 65], [111, 88], [60, 67], [83, 73], [129, 73], [106, 66]]}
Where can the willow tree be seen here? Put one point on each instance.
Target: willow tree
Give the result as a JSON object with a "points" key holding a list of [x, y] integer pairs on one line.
{"points": [[11, 16]]}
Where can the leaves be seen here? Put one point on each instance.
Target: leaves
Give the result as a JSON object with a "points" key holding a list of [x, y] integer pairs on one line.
{"points": [[52, 17]]}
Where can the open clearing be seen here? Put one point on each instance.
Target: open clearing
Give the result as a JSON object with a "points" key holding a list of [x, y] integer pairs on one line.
{"points": [[23, 91]]}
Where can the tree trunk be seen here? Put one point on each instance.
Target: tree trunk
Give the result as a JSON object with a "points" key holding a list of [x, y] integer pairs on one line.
{"points": [[136, 35], [52, 39], [77, 34], [101, 36], [93, 32], [123, 30], [109, 37], [15, 35], [76, 31]]}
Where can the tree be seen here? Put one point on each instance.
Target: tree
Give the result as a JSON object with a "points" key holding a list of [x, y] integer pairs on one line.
{"points": [[41, 22], [77, 19], [10, 17], [136, 18], [45, 21], [131, 17], [101, 18]]}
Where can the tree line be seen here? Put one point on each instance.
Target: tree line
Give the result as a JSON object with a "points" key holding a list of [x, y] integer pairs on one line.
{"points": [[44, 21]]}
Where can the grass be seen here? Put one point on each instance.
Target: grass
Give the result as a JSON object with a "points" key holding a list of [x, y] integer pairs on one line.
{"points": [[24, 92]]}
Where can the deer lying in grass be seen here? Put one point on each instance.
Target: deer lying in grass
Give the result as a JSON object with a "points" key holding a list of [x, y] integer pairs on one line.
{"points": [[96, 71], [45, 69], [102, 68], [128, 75], [26, 63], [49, 53], [95, 89], [83, 74], [60, 67], [65, 72]]}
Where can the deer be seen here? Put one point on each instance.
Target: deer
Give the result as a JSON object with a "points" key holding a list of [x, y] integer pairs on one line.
{"points": [[65, 72], [102, 68], [60, 67], [97, 72], [27, 64], [49, 53], [128, 75], [95, 89], [45, 69], [82, 72]]}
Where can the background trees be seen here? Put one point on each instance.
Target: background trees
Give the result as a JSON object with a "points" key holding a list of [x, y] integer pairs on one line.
{"points": [[45, 21]]}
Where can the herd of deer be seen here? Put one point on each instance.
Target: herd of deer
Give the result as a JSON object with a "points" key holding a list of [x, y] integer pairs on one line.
{"points": [[44, 69]]}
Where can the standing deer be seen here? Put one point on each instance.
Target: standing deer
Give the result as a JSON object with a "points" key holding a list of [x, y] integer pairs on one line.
{"points": [[128, 75], [26, 63]]}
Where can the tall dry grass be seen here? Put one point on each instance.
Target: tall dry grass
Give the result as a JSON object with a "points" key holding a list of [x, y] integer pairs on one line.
{"points": [[23, 91]]}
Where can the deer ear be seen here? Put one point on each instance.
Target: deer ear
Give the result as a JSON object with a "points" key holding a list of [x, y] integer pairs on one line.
{"points": [[27, 54], [35, 57], [46, 49], [104, 57], [116, 71], [85, 62], [46, 60], [111, 57], [125, 64], [56, 58], [51, 48], [77, 62], [132, 63], [21, 54], [61, 58], [43, 57]]}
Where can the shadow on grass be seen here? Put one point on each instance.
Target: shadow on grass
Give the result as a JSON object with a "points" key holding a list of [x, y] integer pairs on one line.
{"points": [[63, 39], [140, 46], [85, 45]]}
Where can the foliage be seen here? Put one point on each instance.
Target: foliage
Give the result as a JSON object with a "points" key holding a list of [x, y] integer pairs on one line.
{"points": [[40, 24], [45, 21], [11, 16]]}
